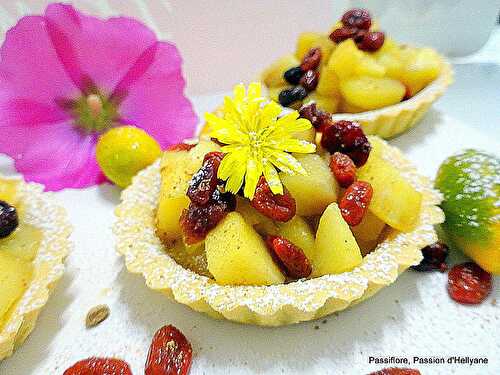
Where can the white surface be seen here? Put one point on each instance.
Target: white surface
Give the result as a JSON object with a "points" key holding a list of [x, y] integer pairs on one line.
{"points": [[414, 316]]}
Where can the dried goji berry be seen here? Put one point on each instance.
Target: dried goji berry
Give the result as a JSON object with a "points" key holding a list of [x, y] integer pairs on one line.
{"points": [[291, 257], [355, 201], [275, 206], [170, 353], [357, 17], [311, 60], [371, 41], [197, 220], [315, 115], [343, 33], [348, 138], [434, 258], [99, 366], [468, 283], [204, 182], [396, 371], [180, 147], [343, 169]]}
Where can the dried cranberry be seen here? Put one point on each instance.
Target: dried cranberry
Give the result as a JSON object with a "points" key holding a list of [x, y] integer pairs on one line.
{"points": [[357, 17], [396, 371], [180, 147], [293, 75], [343, 169], [204, 182], [99, 366], [170, 353], [291, 257], [372, 41], [358, 38], [348, 138], [275, 206], [314, 114], [290, 96], [197, 220], [8, 219], [311, 59], [355, 201], [310, 80], [343, 33], [468, 283], [434, 258]]}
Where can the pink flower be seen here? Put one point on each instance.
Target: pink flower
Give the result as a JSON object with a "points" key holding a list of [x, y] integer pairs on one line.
{"points": [[66, 77]]}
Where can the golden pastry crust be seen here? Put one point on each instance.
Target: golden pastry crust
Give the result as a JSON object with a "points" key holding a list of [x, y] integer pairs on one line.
{"points": [[42, 212], [277, 304]]}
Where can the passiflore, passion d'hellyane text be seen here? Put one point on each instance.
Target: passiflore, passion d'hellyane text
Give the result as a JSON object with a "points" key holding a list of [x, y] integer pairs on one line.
{"points": [[434, 360]]}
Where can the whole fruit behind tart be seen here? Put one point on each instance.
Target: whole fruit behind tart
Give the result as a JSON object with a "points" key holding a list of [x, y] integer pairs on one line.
{"points": [[470, 183], [358, 73], [269, 224], [34, 241]]}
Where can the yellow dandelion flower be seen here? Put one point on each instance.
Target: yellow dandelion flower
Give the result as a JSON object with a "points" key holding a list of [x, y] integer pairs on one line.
{"points": [[257, 142]]}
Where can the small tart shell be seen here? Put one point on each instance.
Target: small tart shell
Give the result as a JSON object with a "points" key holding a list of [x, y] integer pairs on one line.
{"points": [[393, 120], [41, 211], [268, 305]]}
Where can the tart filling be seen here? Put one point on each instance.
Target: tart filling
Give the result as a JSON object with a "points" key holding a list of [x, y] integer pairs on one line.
{"points": [[34, 242], [232, 231]]}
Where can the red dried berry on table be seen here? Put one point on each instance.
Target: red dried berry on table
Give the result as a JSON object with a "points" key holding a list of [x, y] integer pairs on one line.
{"points": [[204, 182], [355, 201], [311, 59], [434, 258], [170, 353], [180, 147], [372, 41], [468, 283], [396, 371], [357, 17], [343, 169], [314, 114], [348, 138], [292, 258], [275, 206], [197, 220], [343, 33], [310, 80], [99, 366]]}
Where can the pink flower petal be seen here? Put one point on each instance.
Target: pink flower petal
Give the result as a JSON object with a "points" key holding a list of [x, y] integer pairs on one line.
{"points": [[95, 50], [155, 100]]}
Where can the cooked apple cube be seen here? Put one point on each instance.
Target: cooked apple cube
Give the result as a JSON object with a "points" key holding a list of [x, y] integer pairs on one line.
{"points": [[237, 255], [305, 43], [8, 191], [325, 103], [422, 70], [299, 232], [344, 59], [372, 93], [273, 75], [314, 191], [329, 83], [336, 250], [369, 229], [254, 218], [23, 243], [15, 275], [394, 200], [368, 66]]}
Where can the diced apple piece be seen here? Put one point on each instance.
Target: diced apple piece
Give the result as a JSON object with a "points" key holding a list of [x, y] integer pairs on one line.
{"points": [[329, 83], [254, 218], [314, 191], [422, 70], [368, 66], [326, 46], [15, 275], [197, 154], [346, 107], [305, 43], [393, 65], [168, 216], [299, 232], [372, 93], [344, 59], [273, 75], [237, 255], [8, 190], [336, 250], [23, 243], [326, 103], [369, 229], [394, 200]]}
